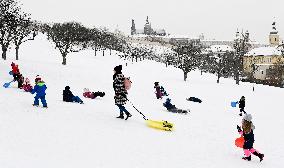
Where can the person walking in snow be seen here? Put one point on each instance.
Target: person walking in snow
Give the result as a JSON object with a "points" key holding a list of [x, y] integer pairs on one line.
{"points": [[242, 105], [158, 90], [69, 97], [39, 89], [247, 132], [120, 92]]}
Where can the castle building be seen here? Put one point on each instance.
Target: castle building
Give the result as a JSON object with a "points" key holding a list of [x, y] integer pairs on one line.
{"points": [[147, 30]]}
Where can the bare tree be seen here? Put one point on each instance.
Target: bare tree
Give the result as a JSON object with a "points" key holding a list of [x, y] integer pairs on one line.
{"points": [[9, 10], [275, 72], [68, 37], [25, 30], [241, 46], [188, 57]]}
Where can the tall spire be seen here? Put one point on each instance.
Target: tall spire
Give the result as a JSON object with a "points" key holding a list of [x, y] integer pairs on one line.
{"points": [[147, 20], [274, 30]]}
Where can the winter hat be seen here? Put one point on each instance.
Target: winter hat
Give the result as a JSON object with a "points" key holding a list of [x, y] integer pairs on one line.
{"points": [[168, 99], [67, 87], [156, 83], [247, 117], [13, 64], [118, 68], [38, 78]]}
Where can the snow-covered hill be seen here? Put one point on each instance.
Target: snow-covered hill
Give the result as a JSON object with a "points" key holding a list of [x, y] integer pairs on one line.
{"points": [[71, 135]]}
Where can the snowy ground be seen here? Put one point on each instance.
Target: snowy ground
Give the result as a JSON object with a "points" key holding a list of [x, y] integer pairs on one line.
{"points": [[72, 135]]}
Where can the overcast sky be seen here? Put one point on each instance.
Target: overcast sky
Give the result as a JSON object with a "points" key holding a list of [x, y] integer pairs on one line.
{"points": [[217, 19]]}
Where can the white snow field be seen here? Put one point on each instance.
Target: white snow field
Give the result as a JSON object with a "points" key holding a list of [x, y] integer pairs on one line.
{"points": [[71, 135]]}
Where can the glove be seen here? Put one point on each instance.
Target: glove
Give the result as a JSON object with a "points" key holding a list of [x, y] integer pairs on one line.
{"points": [[239, 128]]}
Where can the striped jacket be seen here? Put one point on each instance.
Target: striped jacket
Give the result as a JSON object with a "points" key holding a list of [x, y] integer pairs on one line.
{"points": [[120, 97]]}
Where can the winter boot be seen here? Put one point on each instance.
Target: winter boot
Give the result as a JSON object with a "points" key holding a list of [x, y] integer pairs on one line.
{"points": [[260, 155], [127, 115], [240, 114], [35, 105], [247, 158], [121, 115]]}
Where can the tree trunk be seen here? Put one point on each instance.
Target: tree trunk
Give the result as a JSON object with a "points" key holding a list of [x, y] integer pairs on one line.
{"points": [[136, 58], [218, 77], [237, 78], [103, 52], [17, 52], [109, 51], [64, 58], [4, 52], [184, 75], [95, 51]]}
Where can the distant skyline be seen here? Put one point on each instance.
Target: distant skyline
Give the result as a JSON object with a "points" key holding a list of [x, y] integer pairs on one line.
{"points": [[218, 19]]}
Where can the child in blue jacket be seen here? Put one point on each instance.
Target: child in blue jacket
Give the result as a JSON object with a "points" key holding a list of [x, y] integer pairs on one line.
{"points": [[39, 89]]}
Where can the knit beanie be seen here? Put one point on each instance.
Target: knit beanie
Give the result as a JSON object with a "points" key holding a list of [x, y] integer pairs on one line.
{"points": [[248, 117], [118, 69]]}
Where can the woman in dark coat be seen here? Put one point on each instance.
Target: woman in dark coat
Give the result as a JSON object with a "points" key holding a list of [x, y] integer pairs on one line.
{"points": [[120, 97]]}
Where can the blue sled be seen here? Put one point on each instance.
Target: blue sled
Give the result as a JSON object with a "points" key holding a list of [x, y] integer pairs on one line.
{"points": [[234, 104]]}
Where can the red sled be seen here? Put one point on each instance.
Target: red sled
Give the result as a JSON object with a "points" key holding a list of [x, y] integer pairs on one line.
{"points": [[239, 142]]}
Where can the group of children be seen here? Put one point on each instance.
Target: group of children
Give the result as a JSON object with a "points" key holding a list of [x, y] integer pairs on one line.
{"points": [[40, 89], [23, 83], [246, 129]]}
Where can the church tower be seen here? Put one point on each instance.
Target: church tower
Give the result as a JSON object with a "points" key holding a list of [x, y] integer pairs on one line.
{"points": [[274, 36], [147, 27], [133, 29]]}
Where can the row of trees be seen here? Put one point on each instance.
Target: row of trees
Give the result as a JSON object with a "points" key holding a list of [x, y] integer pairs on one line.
{"points": [[73, 37], [16, 26]]}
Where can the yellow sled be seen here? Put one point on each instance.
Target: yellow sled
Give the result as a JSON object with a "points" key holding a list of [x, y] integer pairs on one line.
{"points": [[162, 125]]}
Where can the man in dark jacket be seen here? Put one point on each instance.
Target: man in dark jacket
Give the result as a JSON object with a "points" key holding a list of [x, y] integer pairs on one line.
{"points": [[242, 105], [69, 97]]}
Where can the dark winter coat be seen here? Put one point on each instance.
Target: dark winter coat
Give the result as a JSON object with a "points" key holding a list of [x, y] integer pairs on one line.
{"points": [[158, 91], [20, 80], [67, 95], [249, 140], [194, 99], [39, 89], [169, 105], [242, 103], [119, 89]]}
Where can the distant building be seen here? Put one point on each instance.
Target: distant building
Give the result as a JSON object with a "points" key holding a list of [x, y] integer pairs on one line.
{"points": [[147, 30], [274, 39], [261, 60]]}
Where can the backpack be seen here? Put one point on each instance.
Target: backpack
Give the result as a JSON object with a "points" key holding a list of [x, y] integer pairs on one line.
{"points": [[127, 83]]}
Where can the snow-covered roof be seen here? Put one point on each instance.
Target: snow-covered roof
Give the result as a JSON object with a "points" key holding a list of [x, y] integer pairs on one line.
{"points": [[220, 48], [160, 31], [264, 51]]}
